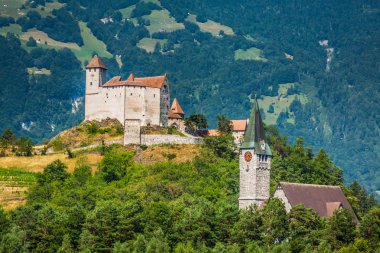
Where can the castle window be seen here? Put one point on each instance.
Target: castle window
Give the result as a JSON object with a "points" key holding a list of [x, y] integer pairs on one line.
{"points": [[91, 83], [154, 95], [131, 94]]}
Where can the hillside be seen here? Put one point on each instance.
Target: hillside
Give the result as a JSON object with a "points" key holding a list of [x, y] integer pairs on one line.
{"points": [[183, 202], [317, 80]]}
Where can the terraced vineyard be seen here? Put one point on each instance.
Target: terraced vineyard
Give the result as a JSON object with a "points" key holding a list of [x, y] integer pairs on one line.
{"points": [[14, 183]]}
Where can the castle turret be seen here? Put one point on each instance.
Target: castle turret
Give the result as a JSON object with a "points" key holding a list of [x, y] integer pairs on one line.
{"points": [[95, 77], [254, 162]]}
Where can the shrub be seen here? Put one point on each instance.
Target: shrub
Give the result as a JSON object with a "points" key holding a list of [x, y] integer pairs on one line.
{"points": [[92, 128], [57, 144]]}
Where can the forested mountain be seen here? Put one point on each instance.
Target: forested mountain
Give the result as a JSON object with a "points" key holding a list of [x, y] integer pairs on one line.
{"points": [[314, 64]]}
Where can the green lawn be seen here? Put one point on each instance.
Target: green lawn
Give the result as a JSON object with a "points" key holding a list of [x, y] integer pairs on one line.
{"points": [[211, 26], [252, 53]]}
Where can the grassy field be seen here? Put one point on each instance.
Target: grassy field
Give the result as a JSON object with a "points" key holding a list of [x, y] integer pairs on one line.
{"points": [[38, 163], [252, 53], [13, 28], [280, 103], [12, 8], [36, 71], [148, 44], [162, 153], [44, 39], [17, 174], [211, 26], [160, 20], [126, 12], [91, 44], [14, 183]]}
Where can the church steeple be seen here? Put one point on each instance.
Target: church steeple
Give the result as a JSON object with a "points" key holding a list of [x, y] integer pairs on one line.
{"points": [[254, 162], [254, 136]]}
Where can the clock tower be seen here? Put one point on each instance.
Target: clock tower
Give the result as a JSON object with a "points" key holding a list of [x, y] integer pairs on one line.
{"points": [[254, 162]]}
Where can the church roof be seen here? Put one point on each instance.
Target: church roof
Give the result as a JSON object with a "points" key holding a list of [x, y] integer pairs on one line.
{"points": [[96, 63], [176, 107], [153, 82], [254, 136], [323, 199]]}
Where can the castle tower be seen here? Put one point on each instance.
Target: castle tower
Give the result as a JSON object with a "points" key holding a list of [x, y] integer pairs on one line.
{"points": [[95, 77], [254, 162]]}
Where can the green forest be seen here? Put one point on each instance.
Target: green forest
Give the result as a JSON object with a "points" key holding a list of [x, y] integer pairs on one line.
{"points": [[328, 51], [187, 207]]}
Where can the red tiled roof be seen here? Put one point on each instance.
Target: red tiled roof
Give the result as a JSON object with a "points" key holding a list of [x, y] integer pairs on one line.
{"points": [[213, 132], [323, 199], [176, 108], [174, 115], [96, 63], [239, 125], [153, 82]]}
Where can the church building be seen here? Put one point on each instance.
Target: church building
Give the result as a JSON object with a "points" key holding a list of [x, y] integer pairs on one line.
{"points": [[254, 162]]}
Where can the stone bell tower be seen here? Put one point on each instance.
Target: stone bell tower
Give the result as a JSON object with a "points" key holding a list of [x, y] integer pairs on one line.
{"points": [[254, 162]]}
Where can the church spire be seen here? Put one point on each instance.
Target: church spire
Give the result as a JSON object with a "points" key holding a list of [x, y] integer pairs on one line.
{"points": [[254, 136]]}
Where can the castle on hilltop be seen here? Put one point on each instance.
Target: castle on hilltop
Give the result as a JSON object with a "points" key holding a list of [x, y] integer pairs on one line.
{"points": [[135, 102]]}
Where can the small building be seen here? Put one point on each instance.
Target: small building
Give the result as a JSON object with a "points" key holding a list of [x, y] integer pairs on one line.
{"points": [[176, 116], [323, 199], [238, 130]]}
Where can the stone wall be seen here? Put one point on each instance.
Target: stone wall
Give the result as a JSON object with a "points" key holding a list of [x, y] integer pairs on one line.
{"points": [[132, 133], [152, 139], [178, 124], [164, 104]]}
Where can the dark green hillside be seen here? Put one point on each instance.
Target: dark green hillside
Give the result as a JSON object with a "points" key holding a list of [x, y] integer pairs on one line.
{"points": [[187, 207], [278, 50]]}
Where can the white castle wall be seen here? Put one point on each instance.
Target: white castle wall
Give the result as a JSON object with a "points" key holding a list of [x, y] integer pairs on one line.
{"points": [[108, 103], [152, 107], [135, 103]]}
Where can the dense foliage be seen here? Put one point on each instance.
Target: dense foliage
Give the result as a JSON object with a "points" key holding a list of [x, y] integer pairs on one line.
{"points": [[168, 207], [340, 115]]}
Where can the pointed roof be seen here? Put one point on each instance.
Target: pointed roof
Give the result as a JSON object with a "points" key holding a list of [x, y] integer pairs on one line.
{"points": [[254, 136], [96, 63], [176, 108]]}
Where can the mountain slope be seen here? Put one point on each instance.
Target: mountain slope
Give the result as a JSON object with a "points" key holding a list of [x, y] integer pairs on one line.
{"points": [[316, 63]]}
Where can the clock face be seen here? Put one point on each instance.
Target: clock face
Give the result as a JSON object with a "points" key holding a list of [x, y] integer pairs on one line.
{"points": [[248, 156]]}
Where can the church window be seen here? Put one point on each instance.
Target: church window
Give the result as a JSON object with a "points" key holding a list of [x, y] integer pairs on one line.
{"points": [[91, 83], [131, 94], [154, 95]]}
